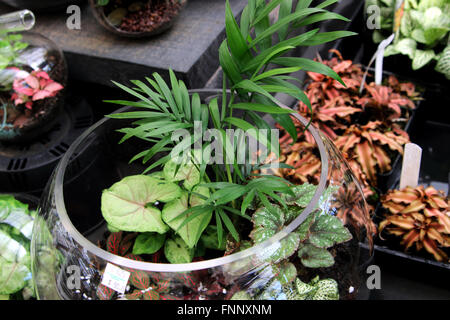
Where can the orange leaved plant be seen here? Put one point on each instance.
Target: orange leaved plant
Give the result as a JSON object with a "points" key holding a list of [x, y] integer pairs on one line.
{"points": [[421, 216], [369, 145]]}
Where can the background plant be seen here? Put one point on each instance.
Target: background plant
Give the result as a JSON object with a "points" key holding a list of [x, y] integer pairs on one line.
{"points": [[421, 217]]}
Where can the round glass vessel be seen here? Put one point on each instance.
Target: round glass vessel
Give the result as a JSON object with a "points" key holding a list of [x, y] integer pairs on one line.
{"points": [[68, 246], [32, 87], [139, 19], [42, 5]]}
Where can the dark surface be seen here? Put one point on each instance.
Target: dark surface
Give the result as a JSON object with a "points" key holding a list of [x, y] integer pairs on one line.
{"points": [[189, 48]]}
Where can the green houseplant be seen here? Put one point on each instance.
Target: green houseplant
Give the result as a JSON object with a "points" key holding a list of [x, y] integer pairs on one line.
{"points": [[194, 226]]}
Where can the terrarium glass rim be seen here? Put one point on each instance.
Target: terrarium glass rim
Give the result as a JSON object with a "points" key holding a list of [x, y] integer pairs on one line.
{"points": [[185, 267]]}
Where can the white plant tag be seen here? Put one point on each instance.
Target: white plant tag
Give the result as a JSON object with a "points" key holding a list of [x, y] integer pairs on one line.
{"points": [[380, 57], [410, 166], [115, 278]]}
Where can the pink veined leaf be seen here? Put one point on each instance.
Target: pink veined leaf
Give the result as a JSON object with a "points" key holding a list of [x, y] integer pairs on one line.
{"points": [[53, 87], [137, 295], [140, 279], [169, 297], [41, 95], [113, 242], [32, 81], [104, 293], [151, 295], [403, 222], [441, 216], [340, 111], [42, 74]]}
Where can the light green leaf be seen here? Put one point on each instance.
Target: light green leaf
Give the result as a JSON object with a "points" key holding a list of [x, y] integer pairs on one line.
{"points": [[13, 276], [172, 214], [176, 251], [421, 58], [406, 47], [127, 205], [188, 173]]}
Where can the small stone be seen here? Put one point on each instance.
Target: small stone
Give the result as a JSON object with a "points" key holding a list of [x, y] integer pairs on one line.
{"points": [[116, 16]]}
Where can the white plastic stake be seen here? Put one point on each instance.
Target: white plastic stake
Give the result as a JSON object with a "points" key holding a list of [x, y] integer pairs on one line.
{"points": [[380, 57], [411, 166]]}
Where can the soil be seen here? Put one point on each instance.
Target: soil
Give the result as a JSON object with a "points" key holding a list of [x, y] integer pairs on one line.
{"points": [[29, 121], [142, 17]]}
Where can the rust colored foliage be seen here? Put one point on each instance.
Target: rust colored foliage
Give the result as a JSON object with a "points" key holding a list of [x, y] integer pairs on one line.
{"points": [[369, 145], [421, 216]]}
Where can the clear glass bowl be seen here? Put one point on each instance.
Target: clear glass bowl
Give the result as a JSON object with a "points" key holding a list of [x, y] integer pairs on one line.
{"points": [[70, 226], [41, 54]]}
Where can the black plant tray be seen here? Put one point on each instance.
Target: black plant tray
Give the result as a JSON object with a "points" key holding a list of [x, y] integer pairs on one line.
{"points": [[391, 246], [27, 167]]}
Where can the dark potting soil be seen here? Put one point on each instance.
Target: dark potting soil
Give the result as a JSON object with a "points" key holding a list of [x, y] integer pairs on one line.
{"points": [[344, 270], [144, 17]]}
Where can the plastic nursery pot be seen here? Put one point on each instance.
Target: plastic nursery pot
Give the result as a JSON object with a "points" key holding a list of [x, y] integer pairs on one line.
{"points": [[138, 19], [16, 222], [41, 5], [70, 232], [25, 112]]}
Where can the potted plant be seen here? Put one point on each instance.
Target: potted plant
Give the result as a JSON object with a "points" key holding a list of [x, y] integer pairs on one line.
{"points": [[421, 32], [16, 221], [416, 220], [131, 18], [33, 74], [197, 217], [368, 126]]}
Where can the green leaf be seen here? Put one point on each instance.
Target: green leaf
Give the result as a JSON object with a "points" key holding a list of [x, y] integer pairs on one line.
{"points": [[188, 173], [148, 243], [13, 276], [274, 72], [406, 47], [285, 10], [127, 205], [172, 214], [313, 257], [211, 239], [322, 16], [257, 107], [422, 58], [325, 37], [176, 251], [268, 221], [228, 65], [235, 40]]}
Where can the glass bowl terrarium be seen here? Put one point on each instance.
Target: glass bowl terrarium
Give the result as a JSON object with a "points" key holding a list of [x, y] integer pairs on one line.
{"points": [[136, 19], [33, 74], [303, 247], [43, 5], [17, 213]]}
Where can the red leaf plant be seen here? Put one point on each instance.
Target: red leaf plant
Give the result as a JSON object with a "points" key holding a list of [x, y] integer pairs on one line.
{"points": [[369, 145], [36, 86], [421, 216]]}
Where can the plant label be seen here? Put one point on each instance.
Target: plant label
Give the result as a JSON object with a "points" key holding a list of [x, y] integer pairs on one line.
{"points": [[115, 278], [410, 166]]}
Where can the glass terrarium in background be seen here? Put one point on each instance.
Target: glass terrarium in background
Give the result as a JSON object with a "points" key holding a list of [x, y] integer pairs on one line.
{"points": [[33, 75], [307, 248], [41, 5], [17, 213], [136, 19]]}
